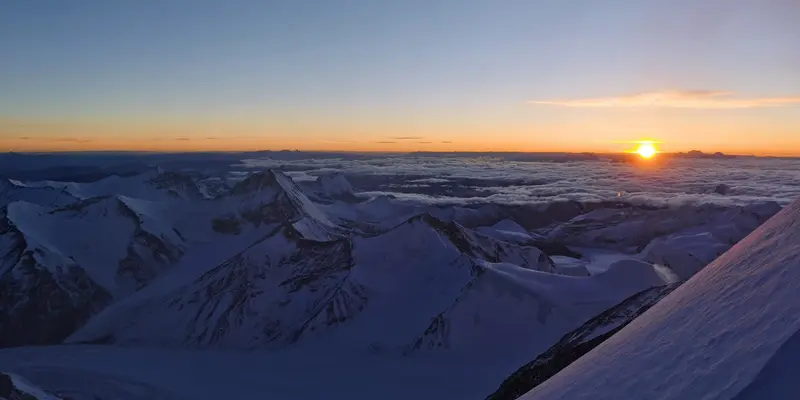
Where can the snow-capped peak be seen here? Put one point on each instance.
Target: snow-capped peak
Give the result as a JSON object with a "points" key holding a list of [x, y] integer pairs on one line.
{"points": [[335, 185], [271, 196]]}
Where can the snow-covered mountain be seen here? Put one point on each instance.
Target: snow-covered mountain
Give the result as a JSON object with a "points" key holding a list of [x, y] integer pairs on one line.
{"points": [[332, 187], [523, 311], [11, 191], [631, 229], [730, 332], [578, 342], [272, 197], [156, 185], [60, 266], [286, 287], [176, 260]]}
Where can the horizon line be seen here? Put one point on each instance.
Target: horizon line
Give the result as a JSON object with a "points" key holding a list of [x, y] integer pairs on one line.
{"points": [[618, 153]]}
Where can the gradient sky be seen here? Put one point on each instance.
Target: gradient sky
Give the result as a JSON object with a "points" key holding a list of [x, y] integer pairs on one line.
{"points": [[557, 75]]}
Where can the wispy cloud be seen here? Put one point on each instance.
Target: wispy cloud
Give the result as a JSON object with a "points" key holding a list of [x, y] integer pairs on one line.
{"points": [[446, 141], [407, 138], [385, 142], [698, 99], [69, 140], [424, 142], [182, 138], [341, 141]]}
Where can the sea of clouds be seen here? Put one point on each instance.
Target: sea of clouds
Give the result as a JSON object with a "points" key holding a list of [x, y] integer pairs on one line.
{"points": [[471, 180]]}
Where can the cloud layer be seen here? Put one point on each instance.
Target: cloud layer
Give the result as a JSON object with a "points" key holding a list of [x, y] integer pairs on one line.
{"points": [[697, 99], [685, 181]]}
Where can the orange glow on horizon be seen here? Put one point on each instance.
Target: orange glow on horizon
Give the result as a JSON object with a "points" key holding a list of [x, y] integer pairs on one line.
{"points": [[644, 150], [225, 136]]}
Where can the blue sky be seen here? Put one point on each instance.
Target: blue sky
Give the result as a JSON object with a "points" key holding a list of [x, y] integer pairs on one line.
{"points": [[312, 72]]}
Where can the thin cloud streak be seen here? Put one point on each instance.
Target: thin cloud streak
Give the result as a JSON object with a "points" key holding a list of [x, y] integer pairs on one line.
{"points": [[695, 99]]}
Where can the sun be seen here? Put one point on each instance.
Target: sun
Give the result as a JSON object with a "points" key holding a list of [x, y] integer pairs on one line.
{"points": [[646, 150]]}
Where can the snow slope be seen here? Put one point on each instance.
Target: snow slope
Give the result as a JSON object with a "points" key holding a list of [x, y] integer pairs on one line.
{"points": [[272, 197], [630, 230], [11, 191], [155, 185], [384, 288], [59, 267], [726, 333], [575, 344], [114, 239], [334, 186], [519, 311]]}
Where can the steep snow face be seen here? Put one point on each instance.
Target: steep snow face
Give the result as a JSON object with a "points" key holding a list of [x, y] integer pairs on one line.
{"points": [[524, 311], [45, 295], [59, 267], [113, 239], [272, 197], [717, 336], [334, 186], [11, 191], [575, 344], [373, 216], [275, 290]]}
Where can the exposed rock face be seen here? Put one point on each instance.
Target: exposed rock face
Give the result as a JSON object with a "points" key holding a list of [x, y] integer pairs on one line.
{"points": [[178, 185], [41, 304], [577, 343]]}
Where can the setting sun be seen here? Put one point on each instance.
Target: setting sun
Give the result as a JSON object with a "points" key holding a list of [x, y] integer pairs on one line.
{"points": [[646, 150]]}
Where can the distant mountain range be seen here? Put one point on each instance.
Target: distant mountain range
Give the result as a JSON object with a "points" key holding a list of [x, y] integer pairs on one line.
{"points": [[175, 259]]}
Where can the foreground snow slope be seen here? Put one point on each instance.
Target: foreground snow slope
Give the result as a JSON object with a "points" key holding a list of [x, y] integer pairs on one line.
{"points": [[712, 337], [575, 344]]}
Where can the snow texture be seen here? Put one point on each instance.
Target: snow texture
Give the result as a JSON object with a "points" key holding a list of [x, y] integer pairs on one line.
{"points": [[724, 333]]}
